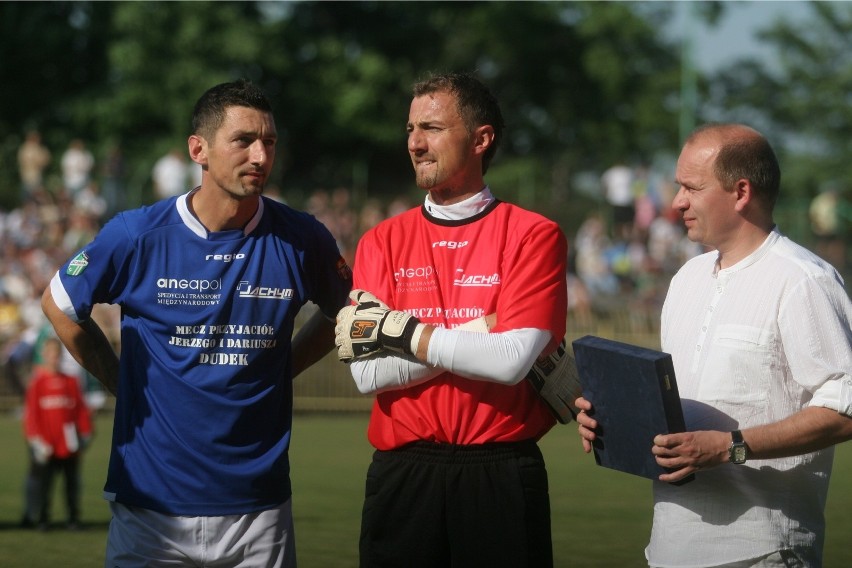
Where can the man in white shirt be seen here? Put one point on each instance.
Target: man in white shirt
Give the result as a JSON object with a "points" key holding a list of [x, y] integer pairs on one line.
{"points": [[171, 175], [759, 332]]}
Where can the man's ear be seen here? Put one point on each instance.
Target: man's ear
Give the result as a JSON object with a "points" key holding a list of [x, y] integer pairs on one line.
{"points": [[197, 149], [483, 137], [744, 193]]}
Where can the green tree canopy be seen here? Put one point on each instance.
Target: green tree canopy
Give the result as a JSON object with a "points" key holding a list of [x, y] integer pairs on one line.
{"points": [[582, 84], [805, 102]]}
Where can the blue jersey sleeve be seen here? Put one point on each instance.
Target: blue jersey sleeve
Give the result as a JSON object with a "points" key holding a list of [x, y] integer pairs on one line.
{"points": [[332, 275], [98, 272]]}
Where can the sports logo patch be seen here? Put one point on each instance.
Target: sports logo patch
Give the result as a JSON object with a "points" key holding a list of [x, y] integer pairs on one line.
{"points": [[78, 264], [362, 329], [343, 269]]}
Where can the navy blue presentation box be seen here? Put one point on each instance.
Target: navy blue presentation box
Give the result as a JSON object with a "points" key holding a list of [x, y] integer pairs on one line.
{"points": [[634, 396]]}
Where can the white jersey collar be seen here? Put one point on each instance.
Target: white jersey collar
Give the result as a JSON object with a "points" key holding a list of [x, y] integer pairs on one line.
{"points": [[471, 206], [194, 225]]}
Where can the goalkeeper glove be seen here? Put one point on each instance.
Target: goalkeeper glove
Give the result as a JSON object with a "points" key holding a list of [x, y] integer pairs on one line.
{"points": [[557, 381], [370, 326]]}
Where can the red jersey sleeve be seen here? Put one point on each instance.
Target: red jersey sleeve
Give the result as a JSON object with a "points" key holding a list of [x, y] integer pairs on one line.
{"points": [[535, 291]]}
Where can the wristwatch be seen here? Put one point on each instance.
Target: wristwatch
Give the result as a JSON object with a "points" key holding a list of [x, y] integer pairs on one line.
{"points": [[738, 452]]}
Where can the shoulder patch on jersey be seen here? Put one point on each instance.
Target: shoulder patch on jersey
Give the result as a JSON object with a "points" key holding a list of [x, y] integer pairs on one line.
{"points": [[78, 264], [343, 269]]}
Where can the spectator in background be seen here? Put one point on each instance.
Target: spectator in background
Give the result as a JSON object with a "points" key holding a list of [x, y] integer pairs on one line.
{"points": [[371, 214], [113, 173], [90, 202], [77, 164], [591, 244], [57, 426], [645, 201], [33, 159], [827, 226], [398, 205], [617, 183], [171, 175]]}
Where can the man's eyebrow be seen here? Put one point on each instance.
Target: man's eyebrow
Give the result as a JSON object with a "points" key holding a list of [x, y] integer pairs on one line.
{"points": [[254, 133], [424, 123]]}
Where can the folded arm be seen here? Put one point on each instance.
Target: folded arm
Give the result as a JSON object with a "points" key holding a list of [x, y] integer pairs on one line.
{"points": [[504, 358]]}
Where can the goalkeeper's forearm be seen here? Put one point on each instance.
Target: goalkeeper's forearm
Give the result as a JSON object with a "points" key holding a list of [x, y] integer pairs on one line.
{"points": [[390, 372], [504, 357]]}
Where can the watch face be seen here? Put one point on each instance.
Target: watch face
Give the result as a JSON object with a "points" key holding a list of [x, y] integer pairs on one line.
{"points": [[738, 454]]}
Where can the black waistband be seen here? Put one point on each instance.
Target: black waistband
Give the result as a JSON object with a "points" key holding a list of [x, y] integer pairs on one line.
{"points": [[472, 453]]}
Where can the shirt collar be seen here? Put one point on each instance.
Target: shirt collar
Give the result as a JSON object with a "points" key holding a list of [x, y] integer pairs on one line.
{"points": [[471, 206], [759, 253], [194, 225]]}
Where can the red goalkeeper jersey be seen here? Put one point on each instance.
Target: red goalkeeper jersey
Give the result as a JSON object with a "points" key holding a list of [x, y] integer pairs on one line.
{"points": [[505, 260]]}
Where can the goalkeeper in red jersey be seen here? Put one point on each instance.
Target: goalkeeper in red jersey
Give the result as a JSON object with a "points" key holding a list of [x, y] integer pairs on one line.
{"points": [[457, 477]]}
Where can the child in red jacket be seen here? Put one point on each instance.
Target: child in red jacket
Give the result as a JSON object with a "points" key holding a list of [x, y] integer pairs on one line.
{"points": [[57, 426]]}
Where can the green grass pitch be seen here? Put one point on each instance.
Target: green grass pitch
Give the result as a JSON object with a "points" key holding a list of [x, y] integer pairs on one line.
{"points": [[600, 518]]}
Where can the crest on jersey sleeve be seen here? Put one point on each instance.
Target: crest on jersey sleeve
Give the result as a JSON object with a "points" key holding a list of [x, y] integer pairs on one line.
{"points": [[78, 264], [343, 269]]}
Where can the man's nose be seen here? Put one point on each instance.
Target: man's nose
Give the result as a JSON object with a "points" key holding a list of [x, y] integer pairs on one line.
{"points": [[259, 152], [680, 201]]}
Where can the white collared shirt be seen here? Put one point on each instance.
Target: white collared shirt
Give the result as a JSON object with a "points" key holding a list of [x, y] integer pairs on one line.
{"points": [[753, 344]]}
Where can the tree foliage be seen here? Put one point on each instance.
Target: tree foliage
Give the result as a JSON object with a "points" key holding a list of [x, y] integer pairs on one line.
{"points": [[582, 84], [805, 103]]}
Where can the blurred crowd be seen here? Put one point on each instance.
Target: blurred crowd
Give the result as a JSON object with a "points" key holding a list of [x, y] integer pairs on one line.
{"points": [[57, 216], [622, 255], [625, 253], [36, 238]]}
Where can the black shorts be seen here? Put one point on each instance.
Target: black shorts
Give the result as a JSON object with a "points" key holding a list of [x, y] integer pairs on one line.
{"points": [[440, 505]]}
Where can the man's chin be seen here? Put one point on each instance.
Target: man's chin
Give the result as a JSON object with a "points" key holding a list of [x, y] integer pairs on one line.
{"points": [[426, 183], [253, 189]]}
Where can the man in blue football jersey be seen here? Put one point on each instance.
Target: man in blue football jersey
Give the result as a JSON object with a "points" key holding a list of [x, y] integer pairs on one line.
{"points": [[209, 285]]}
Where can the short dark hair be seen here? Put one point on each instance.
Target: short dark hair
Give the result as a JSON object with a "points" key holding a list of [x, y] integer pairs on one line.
{"points": [[745, 154], [476, 104], [209, 111]]}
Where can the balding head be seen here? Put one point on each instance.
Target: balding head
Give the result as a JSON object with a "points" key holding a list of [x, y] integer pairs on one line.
{"points": [[742, 153]]}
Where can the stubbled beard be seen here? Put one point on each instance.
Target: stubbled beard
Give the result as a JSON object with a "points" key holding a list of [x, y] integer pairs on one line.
{"points": [[427, 180]]}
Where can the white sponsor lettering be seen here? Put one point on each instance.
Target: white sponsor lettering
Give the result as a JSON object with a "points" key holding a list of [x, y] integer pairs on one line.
{"points": [[189, 284], [190, 329], [51, 402], [415, 272], [226, 257], [464, 314], [450, 244], [483, 280], [240, 359], [246, 290], [422, 313]]}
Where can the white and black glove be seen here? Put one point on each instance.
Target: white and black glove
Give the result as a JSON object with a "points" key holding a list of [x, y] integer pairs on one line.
{"points": [[557, 381], [371, 326]]}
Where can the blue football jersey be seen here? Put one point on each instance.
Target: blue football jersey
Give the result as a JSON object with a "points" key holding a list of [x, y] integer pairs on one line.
{"points": [[203, 415]]}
